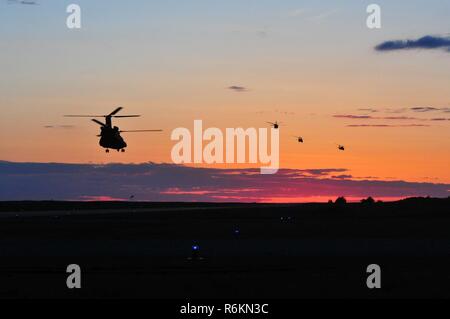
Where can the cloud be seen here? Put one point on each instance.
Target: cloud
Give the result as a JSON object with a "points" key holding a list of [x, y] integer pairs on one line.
{"points": [[418, 109], [423, 109], [323, 15], [237, 88], [350, 116], [23, 2], [440, 119], [369, 110], [310, 15], [396, 110], [387, 125], [426, 42], [168, 182], [342, 176], [59, 126], [369, 117], [284, 112], [297, 12]]}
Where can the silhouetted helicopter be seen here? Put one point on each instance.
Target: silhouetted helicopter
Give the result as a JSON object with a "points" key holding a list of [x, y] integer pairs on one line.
{"points": [[299, 139], [110, 135], [341, 148], [274, 125]]}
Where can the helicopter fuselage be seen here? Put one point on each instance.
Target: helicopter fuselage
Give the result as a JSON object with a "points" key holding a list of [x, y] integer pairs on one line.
{"points": [[110, 138]]}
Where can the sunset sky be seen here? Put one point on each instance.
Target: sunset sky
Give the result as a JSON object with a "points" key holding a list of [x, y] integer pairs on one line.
{"points": [[312, 65]]}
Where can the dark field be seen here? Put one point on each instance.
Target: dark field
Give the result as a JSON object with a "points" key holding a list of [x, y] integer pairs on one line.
{"points": [[142, 250]]}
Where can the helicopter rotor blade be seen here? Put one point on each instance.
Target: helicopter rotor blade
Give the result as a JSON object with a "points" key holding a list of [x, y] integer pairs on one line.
{"points": [[119, 116], [115, 111], [98, 122], [84, 116], [99, 116], [138, 131]]}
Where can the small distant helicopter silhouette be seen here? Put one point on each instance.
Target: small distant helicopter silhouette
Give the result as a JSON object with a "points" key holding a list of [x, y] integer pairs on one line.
{"points": [[299, 139], [110, 137], [341, 147], [274, 125]]}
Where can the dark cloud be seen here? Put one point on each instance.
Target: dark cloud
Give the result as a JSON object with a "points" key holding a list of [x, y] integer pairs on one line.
{"points": [[237, 88], [168, 182], [321, 171], [342, 176], [426, 42]]}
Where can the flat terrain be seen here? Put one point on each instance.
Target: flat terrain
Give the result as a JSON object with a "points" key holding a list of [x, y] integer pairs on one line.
{"points": [[144, 250]]}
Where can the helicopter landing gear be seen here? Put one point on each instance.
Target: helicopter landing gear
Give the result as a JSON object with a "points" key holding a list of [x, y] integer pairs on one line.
{"points": [[122, 150], [107, 151]]}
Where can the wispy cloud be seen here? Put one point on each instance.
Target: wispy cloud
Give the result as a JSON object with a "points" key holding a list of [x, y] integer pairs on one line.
{"points": [[23, 2], [423, 109], [440, 119], [369, 117], [297, 12], [59, 126], [168, 182], [368, 110], [237, 88], [416, 109], [323, 15], [310, 15], [387, 125], [427, 42]]}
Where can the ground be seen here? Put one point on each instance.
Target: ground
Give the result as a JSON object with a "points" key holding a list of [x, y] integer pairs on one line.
{"points": [[145, 250]]}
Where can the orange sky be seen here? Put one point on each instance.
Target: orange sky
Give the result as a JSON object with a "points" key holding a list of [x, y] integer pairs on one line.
{"points": [[306, 68]]}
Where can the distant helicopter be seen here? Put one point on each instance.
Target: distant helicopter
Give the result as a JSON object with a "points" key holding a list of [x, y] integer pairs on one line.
{"points": [[110, 135], [299, 139], [341, 148], [274, 125]]}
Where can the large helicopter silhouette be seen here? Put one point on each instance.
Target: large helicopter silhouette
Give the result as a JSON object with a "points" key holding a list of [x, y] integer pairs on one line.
{"points": [[110, 137]]}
